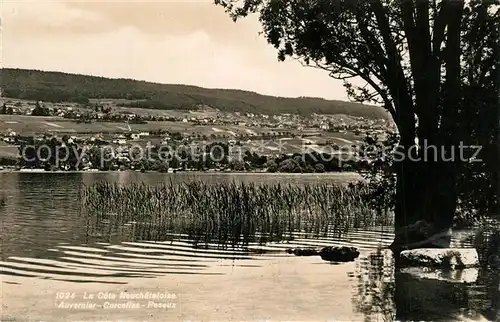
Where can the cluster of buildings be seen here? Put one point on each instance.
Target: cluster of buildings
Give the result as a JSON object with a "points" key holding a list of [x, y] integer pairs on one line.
{"points": [[203, 124], [27, 107]]}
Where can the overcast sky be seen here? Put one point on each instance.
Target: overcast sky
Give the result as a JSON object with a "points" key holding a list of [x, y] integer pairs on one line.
{"points": [[181, 42]]}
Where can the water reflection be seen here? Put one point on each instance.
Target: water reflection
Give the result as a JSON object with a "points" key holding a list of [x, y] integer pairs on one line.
{"points": [[42, 209], [374, 296], [45, 237], [487, 242], [39, 212]]}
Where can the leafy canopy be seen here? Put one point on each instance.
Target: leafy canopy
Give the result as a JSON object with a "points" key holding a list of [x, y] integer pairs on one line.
{"points": [[403, 51]]}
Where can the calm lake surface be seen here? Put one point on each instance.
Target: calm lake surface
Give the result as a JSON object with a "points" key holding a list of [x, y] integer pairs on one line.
{"points": [[51, 272]]}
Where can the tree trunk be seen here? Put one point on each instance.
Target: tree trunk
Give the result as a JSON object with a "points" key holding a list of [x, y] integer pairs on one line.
{"points": [[425, 191], [406, 194]]}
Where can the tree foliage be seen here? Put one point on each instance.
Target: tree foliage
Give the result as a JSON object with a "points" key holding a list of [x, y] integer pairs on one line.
{"points": [[433, 65], [398, 48], [39, 110], [6, 110]]}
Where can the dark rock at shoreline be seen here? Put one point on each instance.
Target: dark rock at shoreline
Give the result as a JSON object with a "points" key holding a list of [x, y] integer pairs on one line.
{"points": [[339, 254], [330, 253], [303, 251]]}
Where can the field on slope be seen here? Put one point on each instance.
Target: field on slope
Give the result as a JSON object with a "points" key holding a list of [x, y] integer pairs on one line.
{"points": [[58, 87], [28, 125]]}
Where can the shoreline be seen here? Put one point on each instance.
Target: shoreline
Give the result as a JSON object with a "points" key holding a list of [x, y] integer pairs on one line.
{"points": [[183, 172]]}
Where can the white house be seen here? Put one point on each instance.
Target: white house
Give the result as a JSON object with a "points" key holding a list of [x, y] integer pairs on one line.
{"points": [[120, 139], [165, 140], [123, 158]]}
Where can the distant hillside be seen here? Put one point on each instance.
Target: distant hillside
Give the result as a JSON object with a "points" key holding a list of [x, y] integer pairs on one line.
{"points": [[59, 87]]}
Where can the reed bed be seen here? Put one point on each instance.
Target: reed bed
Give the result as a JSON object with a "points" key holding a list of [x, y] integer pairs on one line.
{"points": [[226, 213]]}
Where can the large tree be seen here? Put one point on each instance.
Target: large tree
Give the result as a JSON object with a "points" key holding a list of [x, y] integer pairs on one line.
{"points": [[432, 64]]}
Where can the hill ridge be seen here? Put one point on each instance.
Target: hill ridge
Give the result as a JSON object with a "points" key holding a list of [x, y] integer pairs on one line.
{"points": [[58, 86]]}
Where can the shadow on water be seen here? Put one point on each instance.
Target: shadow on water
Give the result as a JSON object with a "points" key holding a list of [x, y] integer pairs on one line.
{"points": [[374, 294]]}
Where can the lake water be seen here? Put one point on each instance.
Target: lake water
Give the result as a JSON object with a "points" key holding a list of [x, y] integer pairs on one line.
{"points": [[50, 271]]}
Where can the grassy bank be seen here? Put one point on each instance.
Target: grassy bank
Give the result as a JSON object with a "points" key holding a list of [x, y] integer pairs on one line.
{"points": [[225, 213]]}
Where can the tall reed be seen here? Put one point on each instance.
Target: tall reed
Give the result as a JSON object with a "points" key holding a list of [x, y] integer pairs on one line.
{"points": [[226, 213]]}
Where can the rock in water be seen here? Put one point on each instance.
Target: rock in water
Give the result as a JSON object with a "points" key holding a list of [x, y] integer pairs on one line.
{"points": [[339, 254], [452, 258], [303, 251], [421, 235]]}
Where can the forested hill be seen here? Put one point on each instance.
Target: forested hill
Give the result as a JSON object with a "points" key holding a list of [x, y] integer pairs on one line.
{"points": [[58, 87]]}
